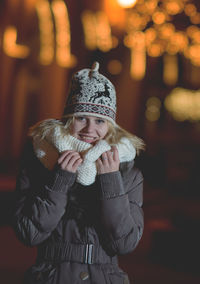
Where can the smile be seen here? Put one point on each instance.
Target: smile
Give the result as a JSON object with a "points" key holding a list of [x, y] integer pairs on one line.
{"points": [[87, 138]]}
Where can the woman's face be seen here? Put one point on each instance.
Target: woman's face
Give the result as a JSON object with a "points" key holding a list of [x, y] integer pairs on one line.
{"points": [[89, 129]]}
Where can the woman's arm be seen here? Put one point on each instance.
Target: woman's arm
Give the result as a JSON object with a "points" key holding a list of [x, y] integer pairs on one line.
{"points": [[121, 212], [41, 198]]}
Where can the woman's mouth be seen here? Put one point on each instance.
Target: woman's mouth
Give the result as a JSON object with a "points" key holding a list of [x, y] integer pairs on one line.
{"points": [[87, 139]]}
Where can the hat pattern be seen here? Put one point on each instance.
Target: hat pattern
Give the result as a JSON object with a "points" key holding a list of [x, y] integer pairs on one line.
{"points": [[91, 93]]}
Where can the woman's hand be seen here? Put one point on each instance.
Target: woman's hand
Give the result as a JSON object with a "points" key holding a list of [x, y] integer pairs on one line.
{"points": [[109, 161], [69, 161]]}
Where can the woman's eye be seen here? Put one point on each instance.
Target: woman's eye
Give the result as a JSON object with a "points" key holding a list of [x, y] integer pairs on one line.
{"points": [[80, 118], [99, 121]]}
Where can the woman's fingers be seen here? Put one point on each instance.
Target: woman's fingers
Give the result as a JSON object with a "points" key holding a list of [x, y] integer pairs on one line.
{"points": [[76, 164], [109, 161], [63, 155], [99, 161], [115, 153], [104, 158], [109, 157], [70, 160]]}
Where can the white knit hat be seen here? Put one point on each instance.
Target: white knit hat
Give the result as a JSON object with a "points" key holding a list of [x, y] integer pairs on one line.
{"points": [[91, 94]]}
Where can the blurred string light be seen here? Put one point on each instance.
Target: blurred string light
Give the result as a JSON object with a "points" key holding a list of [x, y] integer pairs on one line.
{"points": [[52, 37], [45, 11], [97, 31], [127, 3], [63, 35], [156, 19], [10, 47], [170, 70], [136, 43], [46, 29], [114, 67], [152, 22], [89, 27], [104, 37], [184, 104], [153, 106]]}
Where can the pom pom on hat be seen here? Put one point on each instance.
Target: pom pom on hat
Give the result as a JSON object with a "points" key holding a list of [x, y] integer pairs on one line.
{"points": [[91, 94], [95, 68]]}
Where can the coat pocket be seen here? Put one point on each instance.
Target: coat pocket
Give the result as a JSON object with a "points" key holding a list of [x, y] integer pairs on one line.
{"points": [[40, 274]]}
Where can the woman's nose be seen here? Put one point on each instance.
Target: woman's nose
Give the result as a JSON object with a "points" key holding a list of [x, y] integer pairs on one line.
{"points": [[89, 126]]}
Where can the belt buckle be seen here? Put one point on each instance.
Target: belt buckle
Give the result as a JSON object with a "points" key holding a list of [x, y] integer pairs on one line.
{"points": [[88, 253]]}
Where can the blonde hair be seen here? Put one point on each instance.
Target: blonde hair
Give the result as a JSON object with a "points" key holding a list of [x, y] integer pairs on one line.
{"points": [[116, 133], [113, 136]]}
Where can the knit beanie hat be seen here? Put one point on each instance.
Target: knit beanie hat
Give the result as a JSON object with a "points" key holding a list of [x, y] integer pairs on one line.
{"points": [[91, 94]]}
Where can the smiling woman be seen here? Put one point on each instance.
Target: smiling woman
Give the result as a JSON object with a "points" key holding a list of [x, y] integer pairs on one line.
{"points": [[89, 129], [79, 195]]}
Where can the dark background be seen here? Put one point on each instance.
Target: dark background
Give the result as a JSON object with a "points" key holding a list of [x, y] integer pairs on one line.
{"points": [[31, 90]]}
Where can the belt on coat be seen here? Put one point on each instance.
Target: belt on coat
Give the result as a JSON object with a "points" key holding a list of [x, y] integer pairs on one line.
{"points": [[81, 253]]}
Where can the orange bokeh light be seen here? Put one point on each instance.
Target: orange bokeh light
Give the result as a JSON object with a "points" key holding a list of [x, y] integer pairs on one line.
{"points": [[159, 18], [126, 3], [173, 7]]}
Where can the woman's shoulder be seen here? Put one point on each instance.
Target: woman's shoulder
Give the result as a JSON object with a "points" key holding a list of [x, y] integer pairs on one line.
{"points": [[27, 150], [28, 158], [129, 167], [130, 173]]}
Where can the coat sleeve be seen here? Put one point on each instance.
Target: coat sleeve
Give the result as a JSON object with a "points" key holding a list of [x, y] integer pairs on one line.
{"points": [[41, 198], [121, 209]]}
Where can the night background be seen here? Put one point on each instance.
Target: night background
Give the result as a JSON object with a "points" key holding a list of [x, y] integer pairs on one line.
{"points": [[150, 50]]}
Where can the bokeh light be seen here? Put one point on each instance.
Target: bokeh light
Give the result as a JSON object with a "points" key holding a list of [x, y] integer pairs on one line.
{"points": [[127, 3], [183, 104], [152, 112], [114, 67]]}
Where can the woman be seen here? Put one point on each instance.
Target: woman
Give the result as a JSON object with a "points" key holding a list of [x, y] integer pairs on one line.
{"points": [[79, 195]]}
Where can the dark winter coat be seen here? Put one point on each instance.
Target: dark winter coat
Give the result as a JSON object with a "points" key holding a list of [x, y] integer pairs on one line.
{"points": [[79, 230]]}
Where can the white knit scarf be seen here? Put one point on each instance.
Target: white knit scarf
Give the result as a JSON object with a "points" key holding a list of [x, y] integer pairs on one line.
{"points": [[47, 150]]}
